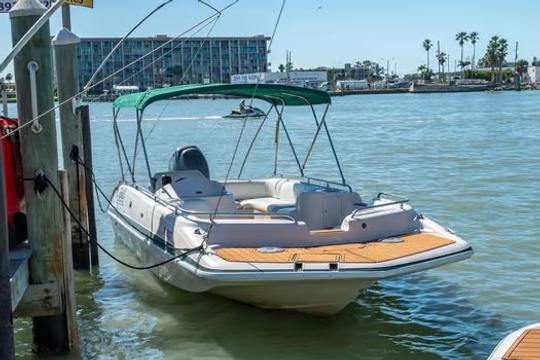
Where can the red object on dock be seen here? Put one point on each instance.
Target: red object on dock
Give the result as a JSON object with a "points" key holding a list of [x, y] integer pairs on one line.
{"points": [[13, 180]]}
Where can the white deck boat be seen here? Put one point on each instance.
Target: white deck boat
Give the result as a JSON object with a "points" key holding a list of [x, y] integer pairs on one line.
{"points": [[279, 242]]}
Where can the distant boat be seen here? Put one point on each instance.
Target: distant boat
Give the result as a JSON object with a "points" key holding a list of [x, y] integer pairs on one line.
{"points": [[521, 344], [248, 112]]}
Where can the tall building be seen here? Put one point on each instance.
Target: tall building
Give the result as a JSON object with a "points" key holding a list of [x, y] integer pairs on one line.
{"points": [[180, 61]]}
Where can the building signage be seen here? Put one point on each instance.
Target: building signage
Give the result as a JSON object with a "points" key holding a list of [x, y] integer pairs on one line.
{"points": [[6, 5], [85, 3]]}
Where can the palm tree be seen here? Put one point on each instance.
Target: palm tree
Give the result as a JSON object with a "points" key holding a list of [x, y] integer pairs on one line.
{"points": [[473, 37], [521, 67], [461, 38], [490, 58], [425, 72], [441, 58], [9, 77], [427, 44], [501, 52], [281, 68]]}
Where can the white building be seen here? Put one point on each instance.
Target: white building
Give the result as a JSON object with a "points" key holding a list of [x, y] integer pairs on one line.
{"points": [[533, 72], [298, 78]]}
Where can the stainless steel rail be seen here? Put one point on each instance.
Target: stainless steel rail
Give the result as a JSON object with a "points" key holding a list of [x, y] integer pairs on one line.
{"points": [[390, 196], [397, 200], [310, 179]]}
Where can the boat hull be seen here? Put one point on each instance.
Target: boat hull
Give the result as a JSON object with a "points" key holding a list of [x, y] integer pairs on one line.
{"points": [[313, 287], [314, 296], [319, 297]]}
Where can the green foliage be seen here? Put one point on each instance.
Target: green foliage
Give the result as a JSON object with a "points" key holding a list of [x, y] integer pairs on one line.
{"points": [[490, 58], [473, 37], [462, 37], [486, 74], [411, 77], [289, 66], [521, 66], [441, 58], [424, 72]]}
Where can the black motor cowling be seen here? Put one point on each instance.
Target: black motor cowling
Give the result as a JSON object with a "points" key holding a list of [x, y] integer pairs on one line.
{"points": [[189, 158]]}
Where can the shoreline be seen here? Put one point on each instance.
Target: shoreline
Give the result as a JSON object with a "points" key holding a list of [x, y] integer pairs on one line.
{"points": [[332, 93]]}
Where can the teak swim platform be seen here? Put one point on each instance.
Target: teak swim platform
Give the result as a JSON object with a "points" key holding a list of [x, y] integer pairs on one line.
{"points": [[370, 252], [526, 347], [522, 344]]}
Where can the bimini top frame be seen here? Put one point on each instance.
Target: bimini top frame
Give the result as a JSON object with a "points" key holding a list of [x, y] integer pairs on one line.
{"points": [[272, 93], [275, 94]]}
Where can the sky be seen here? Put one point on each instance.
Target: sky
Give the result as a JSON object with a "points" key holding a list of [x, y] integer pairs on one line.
{"points": [[325, 32]]}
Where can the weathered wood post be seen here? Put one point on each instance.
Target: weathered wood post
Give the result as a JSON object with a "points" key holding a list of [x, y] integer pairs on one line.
{"points": [[84, 113], [34, 78], [6, 319], [67, 77]]}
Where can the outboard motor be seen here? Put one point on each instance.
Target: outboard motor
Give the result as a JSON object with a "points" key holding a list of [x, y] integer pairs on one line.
{"points": [[189, 158]]}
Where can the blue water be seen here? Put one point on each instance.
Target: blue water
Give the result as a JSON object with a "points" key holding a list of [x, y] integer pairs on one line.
{"points": [[469, 160]]}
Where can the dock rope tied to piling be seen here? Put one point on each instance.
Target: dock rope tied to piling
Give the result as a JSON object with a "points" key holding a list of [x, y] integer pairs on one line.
{"points": [[41, 182]]}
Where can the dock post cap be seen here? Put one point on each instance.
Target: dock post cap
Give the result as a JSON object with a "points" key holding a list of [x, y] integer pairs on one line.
{"points": [[65, 37], [27, 8]]}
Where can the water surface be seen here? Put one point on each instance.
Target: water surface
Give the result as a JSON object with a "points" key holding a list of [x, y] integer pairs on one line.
{"points": [[471, 161]]}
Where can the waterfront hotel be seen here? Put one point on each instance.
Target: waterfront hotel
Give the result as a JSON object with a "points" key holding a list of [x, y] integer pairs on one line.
{"points": [[182, 61]]}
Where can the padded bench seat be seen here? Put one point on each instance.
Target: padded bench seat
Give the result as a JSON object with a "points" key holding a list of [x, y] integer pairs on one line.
{"points": [[267, 204]]}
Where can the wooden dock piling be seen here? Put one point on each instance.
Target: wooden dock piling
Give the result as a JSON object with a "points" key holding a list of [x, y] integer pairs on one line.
{"points": [[73, 147], [33, 75], [84, 113]]}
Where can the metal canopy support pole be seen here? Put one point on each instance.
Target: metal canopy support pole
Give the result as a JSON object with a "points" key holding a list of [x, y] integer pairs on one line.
{"points": [[115, 114], [143, 144], [253, 141], [7, 348], [280, 119], [319, 126], [136, 145], [315, 114], [323, 120], [121, 143], [276, 141], [117, 144]]}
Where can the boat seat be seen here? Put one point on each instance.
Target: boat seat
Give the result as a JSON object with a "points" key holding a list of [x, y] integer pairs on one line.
{"points": [[267, 204], [188, 184], [275, 195]]}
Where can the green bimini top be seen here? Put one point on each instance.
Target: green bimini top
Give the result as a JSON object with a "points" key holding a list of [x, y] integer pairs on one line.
{"points": [[272, 93]]}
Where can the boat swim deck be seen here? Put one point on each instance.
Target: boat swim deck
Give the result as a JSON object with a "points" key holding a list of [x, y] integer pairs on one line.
{"points": [[371, 252], [526, 346]]}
